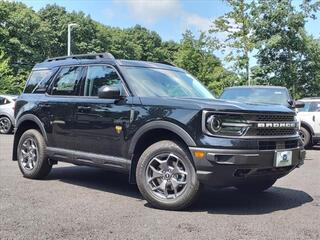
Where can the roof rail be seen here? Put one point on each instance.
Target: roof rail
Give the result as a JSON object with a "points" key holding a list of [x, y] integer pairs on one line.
{"points": [[167, 63], [82, 56]]}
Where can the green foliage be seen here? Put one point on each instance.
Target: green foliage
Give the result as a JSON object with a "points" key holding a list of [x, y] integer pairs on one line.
{"points": [[29, 37], [232, 33], [8, 84], [273, 30], [285, 53], [194, 55]]}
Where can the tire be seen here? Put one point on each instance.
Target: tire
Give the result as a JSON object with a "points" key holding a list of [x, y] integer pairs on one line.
{"points": [[6, 126], [305, 137], [256, 187], [32, 158], [176, 167]]}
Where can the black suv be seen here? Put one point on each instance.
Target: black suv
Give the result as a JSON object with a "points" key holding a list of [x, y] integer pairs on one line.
{"points": [[154, 121]]}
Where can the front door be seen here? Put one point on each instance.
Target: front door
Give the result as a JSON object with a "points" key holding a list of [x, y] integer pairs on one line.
{"points": [[101, 123]]}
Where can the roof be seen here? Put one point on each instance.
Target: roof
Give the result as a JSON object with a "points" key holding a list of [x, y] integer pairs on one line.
{"points": [[8, 96], [257, 86], [310, 99], [99, 58]]}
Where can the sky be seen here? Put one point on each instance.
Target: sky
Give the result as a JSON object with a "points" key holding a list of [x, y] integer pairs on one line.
{"points": [[169, 18]]}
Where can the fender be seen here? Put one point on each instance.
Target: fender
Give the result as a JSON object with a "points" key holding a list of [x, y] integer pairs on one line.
{"points": [[35, 119], [308, 126], [184, 135]]}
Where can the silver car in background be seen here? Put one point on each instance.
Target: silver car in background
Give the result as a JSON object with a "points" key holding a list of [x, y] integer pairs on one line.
{"points": [[7, 103]]}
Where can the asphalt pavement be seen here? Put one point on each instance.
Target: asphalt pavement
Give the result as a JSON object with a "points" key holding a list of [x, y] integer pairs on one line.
{"points": [[87, 203]]}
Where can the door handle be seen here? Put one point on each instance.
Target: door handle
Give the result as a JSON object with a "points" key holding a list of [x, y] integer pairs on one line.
{"points": [[83, 108], [45, 105], [314, 118]]}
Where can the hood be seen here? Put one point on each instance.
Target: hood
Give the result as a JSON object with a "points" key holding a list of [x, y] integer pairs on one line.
{"points": [[216, 105]]}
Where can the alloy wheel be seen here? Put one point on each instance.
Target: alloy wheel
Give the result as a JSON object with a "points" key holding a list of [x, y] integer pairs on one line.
{"points": [[302, 136], [5, 125], [167, 176], [29, 154]]}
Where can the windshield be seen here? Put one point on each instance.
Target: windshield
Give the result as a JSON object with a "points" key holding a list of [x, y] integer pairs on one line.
{"points": [[155, 82], [257, 95]]}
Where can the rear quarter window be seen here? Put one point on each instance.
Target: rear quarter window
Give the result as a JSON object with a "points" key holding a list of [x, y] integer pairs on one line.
{"points": [[38, 80]]}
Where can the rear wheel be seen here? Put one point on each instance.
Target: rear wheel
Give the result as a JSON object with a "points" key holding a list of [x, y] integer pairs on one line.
{"points": [[32, 159], [166, 176], [256, 187], [305, 137], [5, 125]]}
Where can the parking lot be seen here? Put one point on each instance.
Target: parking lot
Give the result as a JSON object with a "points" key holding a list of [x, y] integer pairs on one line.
{"points": [[87, 203]]}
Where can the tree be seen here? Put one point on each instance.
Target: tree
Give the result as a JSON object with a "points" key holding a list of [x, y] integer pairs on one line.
{"points": [[84, 36], [233, 33], [28, 37], [8, 83], [194, 56], [282, 45], [23, 36]]}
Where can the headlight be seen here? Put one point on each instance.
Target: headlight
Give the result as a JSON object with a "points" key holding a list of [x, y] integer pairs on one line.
{"points": [[223, 124], [214, 123]]}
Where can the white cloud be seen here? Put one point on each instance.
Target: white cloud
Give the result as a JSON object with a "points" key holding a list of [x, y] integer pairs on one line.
{"points": [[150, 11], [196, 21]]}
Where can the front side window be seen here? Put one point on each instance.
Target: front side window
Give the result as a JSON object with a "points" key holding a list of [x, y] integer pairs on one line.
{"points": [[37, 78], [2, 101], [66, 82], [156, 82], [314, 107], [98, 76], [305, 108]]}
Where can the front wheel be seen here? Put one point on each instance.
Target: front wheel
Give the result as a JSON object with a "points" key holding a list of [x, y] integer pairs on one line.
{"points": [[256, 187], [305, 137], [166, 176]]}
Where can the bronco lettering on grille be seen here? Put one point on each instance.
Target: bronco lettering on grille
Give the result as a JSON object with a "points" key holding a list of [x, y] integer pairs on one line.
{"points": [[277, 125]]}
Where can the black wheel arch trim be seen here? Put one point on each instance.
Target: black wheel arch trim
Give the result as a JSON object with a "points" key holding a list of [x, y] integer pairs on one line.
{"points": [[21, 120], [183, 134], [308, 126]]}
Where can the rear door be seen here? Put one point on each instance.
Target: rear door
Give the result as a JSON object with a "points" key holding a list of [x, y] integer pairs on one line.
{"points": [[59, 107], [101, 123], [315, 110]]}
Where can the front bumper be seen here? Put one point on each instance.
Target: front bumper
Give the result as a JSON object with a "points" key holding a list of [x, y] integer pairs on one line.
{"points": [[231, 167]]}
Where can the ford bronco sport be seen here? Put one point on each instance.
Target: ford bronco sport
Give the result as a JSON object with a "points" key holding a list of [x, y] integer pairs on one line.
{"points": [[154, 121]]}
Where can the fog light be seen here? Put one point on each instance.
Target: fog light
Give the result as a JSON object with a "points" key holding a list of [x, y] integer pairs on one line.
{"points": [[199, 154]]}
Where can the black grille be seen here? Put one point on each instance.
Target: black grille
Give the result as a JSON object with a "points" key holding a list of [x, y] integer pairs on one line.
{"points": [[272, 145], [276, 132], [275, 118]]}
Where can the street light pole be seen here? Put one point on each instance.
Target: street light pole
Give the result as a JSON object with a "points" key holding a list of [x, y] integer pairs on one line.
{"points": [[70, 25]]}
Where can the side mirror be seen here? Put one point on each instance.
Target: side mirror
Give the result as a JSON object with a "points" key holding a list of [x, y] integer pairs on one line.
{"points": [[298, 104], [109, 92]]}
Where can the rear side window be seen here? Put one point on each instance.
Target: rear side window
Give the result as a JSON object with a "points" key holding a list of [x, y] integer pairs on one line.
{"points": [[37, 79], [4, 101], [66, 82]]}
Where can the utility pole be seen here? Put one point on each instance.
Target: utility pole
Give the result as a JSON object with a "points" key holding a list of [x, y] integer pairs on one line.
{"points": [[70, 25]]}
